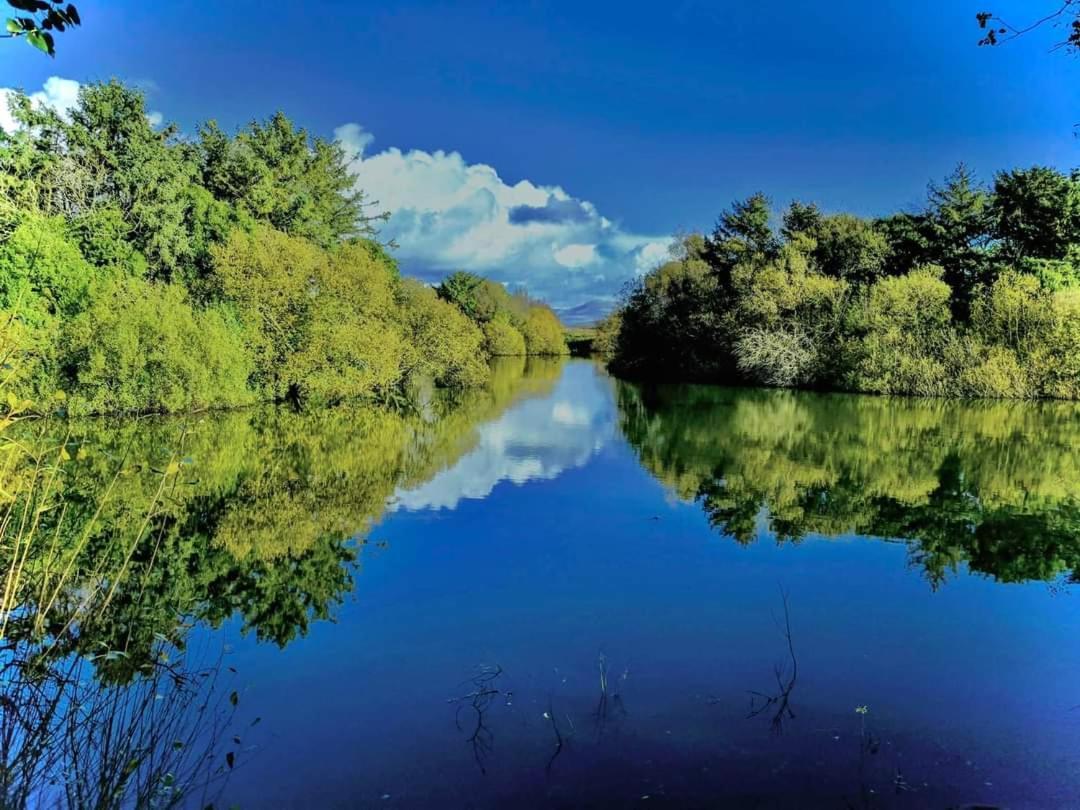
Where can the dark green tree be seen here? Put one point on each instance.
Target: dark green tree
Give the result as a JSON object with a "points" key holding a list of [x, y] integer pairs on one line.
{"points": [[742, 232], [279, 174], [1036, 213], [958, 230]]}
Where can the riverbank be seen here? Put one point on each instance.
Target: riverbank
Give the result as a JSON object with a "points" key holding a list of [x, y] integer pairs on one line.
{"points": [[174, 274], [975, 295]]}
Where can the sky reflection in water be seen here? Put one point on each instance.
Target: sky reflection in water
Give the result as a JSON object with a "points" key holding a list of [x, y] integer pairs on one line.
{"points": [[569, 590], [549, 547]]}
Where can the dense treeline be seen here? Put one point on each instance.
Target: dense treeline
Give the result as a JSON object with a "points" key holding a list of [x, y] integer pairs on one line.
{"points": [[142, 271], [978, 294], [513, 324]]}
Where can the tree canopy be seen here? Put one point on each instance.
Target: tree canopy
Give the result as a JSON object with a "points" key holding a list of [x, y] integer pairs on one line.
{"points": [[976, 294], [141, 270]]}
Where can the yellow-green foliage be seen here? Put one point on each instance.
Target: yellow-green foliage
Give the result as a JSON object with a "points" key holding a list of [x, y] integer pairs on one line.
{"points": [[29, 362], [42, 272], [1015, 312], [543, 332], [907, 325], [340, 323], [443, 343], [141, 346], [784, 289], [351, 342], [501, 339], [1056, 363], [271, 278], [607, 334]]}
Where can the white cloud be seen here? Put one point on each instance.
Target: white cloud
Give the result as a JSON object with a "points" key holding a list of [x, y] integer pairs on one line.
{"points": [[448, 214], [57, 93], [575, 255]]}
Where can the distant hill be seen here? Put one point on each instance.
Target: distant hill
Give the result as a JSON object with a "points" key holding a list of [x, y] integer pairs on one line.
{"points": [[585, 314]]}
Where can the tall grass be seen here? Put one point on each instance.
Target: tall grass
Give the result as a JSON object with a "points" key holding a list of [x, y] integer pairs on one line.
{"points": [[68, 738]]}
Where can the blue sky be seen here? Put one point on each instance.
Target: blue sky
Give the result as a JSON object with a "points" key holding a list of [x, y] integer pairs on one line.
{"points": [[557, 145]]}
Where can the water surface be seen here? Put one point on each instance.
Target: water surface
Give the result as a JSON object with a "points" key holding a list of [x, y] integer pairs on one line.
{"points": [[573, 590]]}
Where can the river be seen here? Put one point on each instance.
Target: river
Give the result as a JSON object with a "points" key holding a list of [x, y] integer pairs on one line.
{"points": [[576, 591]]}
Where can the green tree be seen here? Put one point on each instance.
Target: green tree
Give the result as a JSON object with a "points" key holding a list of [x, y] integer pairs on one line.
{"points": [[279, 174], [957, 228], [1036, 213], [462, 288], [741, 233]]}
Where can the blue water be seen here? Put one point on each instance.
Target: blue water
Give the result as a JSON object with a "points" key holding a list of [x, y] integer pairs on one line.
{"points": [[548, 545]]}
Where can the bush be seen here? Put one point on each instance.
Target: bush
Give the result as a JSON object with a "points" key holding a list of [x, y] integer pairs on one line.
{"points": [[607, 334], [501, 339], [444, 344], [42, 272], [1014, 312], [140, 347], [998, 374], [349, 339], [28, 358], [906, 326], [1055, 364], [543, 332], [784, 357]]}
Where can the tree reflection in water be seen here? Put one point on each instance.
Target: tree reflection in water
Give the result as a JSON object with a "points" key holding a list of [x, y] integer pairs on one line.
{"points": [[992, 485], [121, 537]]}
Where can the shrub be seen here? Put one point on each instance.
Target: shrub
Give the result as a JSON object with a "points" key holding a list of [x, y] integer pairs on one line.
{"points": [[272, 280], [140, 347], [906, 326], [543, 332], [349, 339], [1055, 364], [1014, 312], [999, 374], [607, 334], [444, 344], [501, 339], [784, 357], [28, 357], [42, 272]]}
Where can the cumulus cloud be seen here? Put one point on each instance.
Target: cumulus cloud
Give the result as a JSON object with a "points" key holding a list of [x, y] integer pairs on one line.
{"points": [[60, 94], [448, 214]]}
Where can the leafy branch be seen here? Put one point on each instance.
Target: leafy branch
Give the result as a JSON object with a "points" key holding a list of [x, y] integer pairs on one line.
{"points": [[38, 21], [999, 30]]}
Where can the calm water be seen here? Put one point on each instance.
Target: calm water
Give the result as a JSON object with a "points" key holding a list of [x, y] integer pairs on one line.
{"points": [[574, 591]]}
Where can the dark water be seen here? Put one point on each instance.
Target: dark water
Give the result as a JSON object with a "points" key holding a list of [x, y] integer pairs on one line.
{"points": [[573, 591]]}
